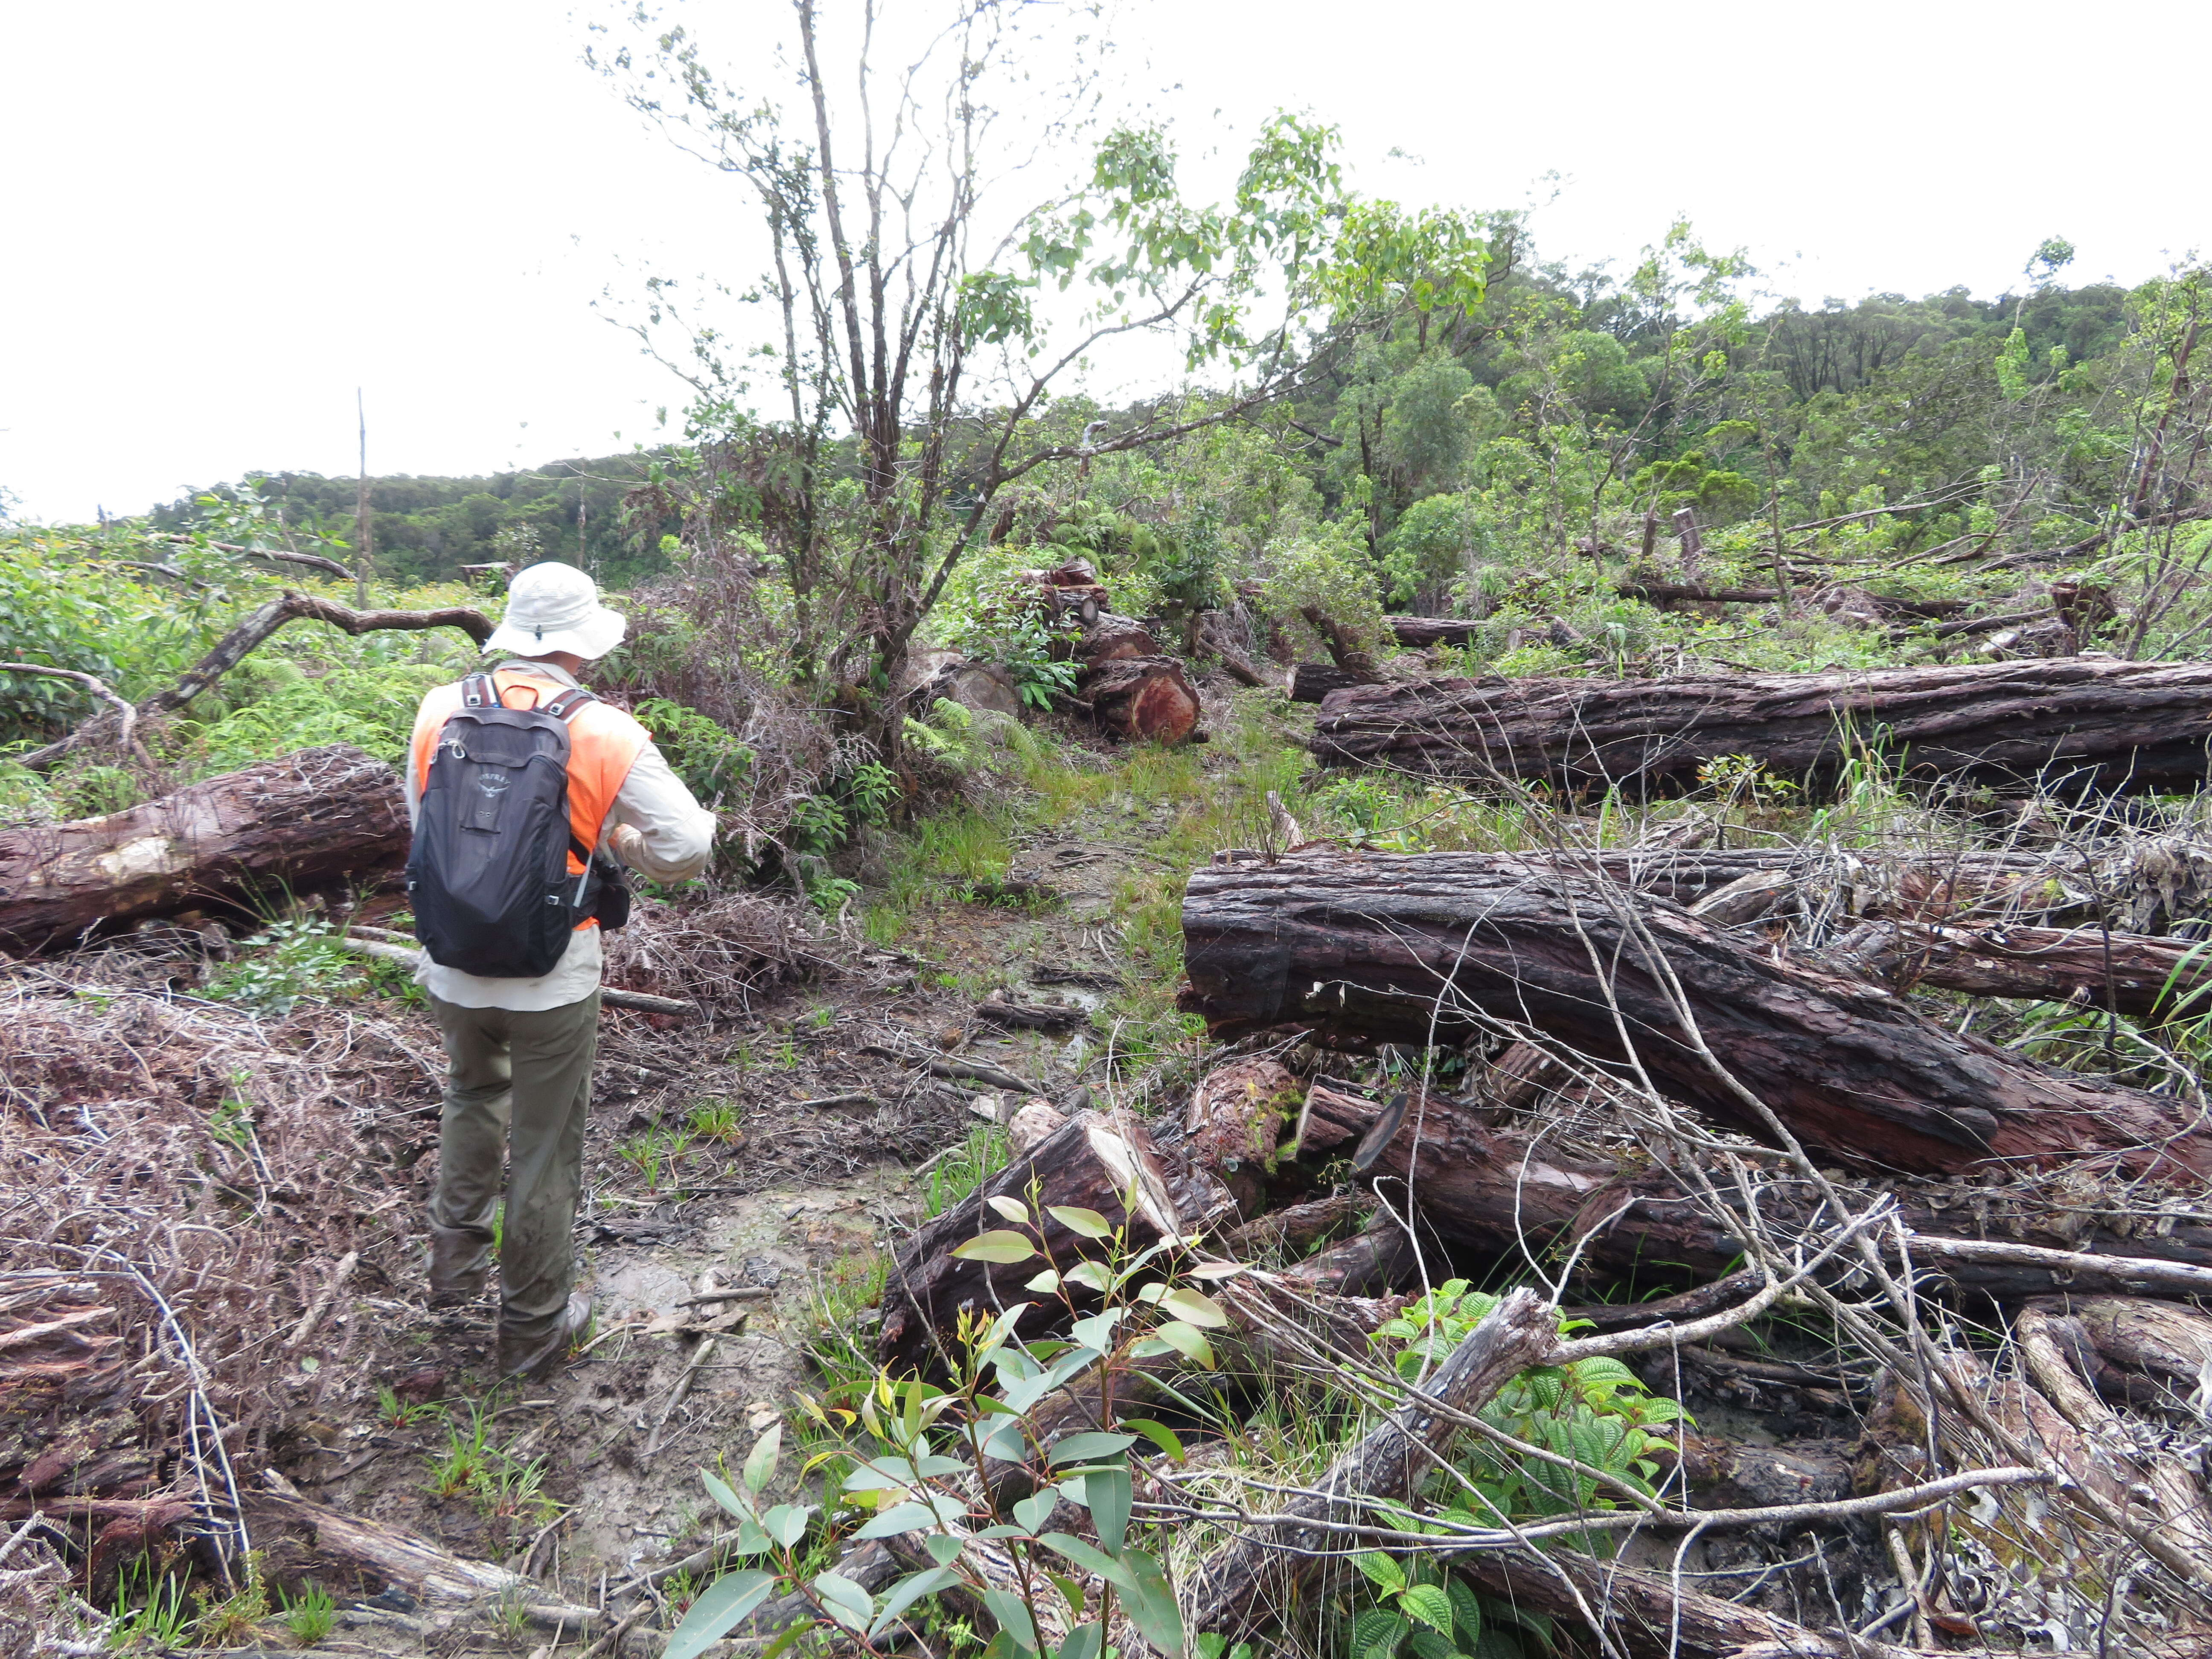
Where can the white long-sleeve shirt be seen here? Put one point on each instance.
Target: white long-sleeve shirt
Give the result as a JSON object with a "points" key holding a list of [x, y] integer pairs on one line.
{"points": [[676, 837]]}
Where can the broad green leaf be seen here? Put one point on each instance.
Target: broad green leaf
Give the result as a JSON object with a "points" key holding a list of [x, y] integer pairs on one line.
{"points": [[876, 1474], [1089, 1557], [1186, 1341], [943, 1548], [721, 1606], [998, 1245], [900, 1517], [1088, 1224], [1097, 1331], [1194, 1306], [722, 1492], [1070, 1591], [1427, 1644], [1377, 1633], [1011, 1616], [1091, 1274], [1084, 1642], [1012, 1209], [1382, 1569], [1088, 1447], [786, 1523], [908, 1591], [1033, 1511], [1158, 1433], [1151, 1604], [1429, 1605], [849, 1603], [1108, 1495], [1047, 1282], [760, 1462], [1467, 1612]]}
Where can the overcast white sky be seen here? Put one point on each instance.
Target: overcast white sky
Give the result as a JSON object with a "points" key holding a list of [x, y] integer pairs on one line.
{"points": [[221, 218]]}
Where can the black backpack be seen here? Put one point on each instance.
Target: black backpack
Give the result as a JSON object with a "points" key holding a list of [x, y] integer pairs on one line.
{"points": [[487, 873]]}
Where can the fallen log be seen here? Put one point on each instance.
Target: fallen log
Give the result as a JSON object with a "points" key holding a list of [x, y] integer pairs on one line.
{"points": [[1345, 649], [1099, 1161], [343, 1545], [1234, 1591], [2132, 974], [1650, 1614], [251, 839], [1418, 633], [2147, 1351], [2067, 722], [1437, 947], [1140, 699], [1313, 682], [231, 649]]}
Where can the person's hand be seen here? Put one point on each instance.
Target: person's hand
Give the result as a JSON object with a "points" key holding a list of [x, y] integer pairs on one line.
{"points": [[626, 843]]}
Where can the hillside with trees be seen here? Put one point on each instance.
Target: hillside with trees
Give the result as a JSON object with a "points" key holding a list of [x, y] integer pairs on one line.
{"points": [[1517, 971]]}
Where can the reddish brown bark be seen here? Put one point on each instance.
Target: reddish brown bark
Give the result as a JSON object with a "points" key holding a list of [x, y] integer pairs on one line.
{"points": [[1436, 947], [1142, 698], [2074, 722], [2132, 974]]}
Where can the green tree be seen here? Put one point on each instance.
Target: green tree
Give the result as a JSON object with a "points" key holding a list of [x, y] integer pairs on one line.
{"points": [[914, 331]]}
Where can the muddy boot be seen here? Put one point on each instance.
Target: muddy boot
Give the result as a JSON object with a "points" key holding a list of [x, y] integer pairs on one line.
{"points": [[534, 1358], [460, 1265]]}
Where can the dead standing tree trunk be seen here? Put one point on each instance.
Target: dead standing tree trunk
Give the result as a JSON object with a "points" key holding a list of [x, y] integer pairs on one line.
{"points": [[1435, 947], [2069, 721]]}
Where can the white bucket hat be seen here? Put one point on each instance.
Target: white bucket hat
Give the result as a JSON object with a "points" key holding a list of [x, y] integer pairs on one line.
{"points": [[556, 607]]}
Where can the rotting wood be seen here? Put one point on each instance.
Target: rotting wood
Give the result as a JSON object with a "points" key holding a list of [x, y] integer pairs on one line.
{"points": [[1420, 948], [394, 1555], [1096, 1162], [250, 839], [2133, 973], [232, 648], [2070, 722]]}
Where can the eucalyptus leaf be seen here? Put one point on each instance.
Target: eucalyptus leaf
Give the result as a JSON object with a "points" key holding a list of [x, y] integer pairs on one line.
{"points": [[1000, 1244], [718, 1608]]}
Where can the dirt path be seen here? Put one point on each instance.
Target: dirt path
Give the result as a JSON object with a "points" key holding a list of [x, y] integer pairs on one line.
{"points": [[783, 1154]]}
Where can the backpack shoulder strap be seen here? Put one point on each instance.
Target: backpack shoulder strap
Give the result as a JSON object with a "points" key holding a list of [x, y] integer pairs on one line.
{"points": [[479, 692], [564, 706]]}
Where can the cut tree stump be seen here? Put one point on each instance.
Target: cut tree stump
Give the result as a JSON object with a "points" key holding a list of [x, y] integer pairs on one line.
{"points": [[2071, 722], [1142, 699], [253, 838], [2132, 974], [1093, 1163], [1436, 947], [1115, 639]]}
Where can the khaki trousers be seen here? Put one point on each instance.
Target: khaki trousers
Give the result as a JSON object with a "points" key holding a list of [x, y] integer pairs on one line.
{"points": [[519, 1086]]}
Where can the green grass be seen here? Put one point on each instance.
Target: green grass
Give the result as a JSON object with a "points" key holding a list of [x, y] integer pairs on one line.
{"points": [[311, 1615], [960, 1172], [716, 1119], [842, 1352], [656, 1154]]}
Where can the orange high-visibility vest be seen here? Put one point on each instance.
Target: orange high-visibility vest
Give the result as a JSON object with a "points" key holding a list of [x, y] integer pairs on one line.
{"points": [[604, 743]]}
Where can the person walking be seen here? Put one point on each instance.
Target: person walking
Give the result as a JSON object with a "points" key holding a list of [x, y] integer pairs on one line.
{"points": [[509, 909]]}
